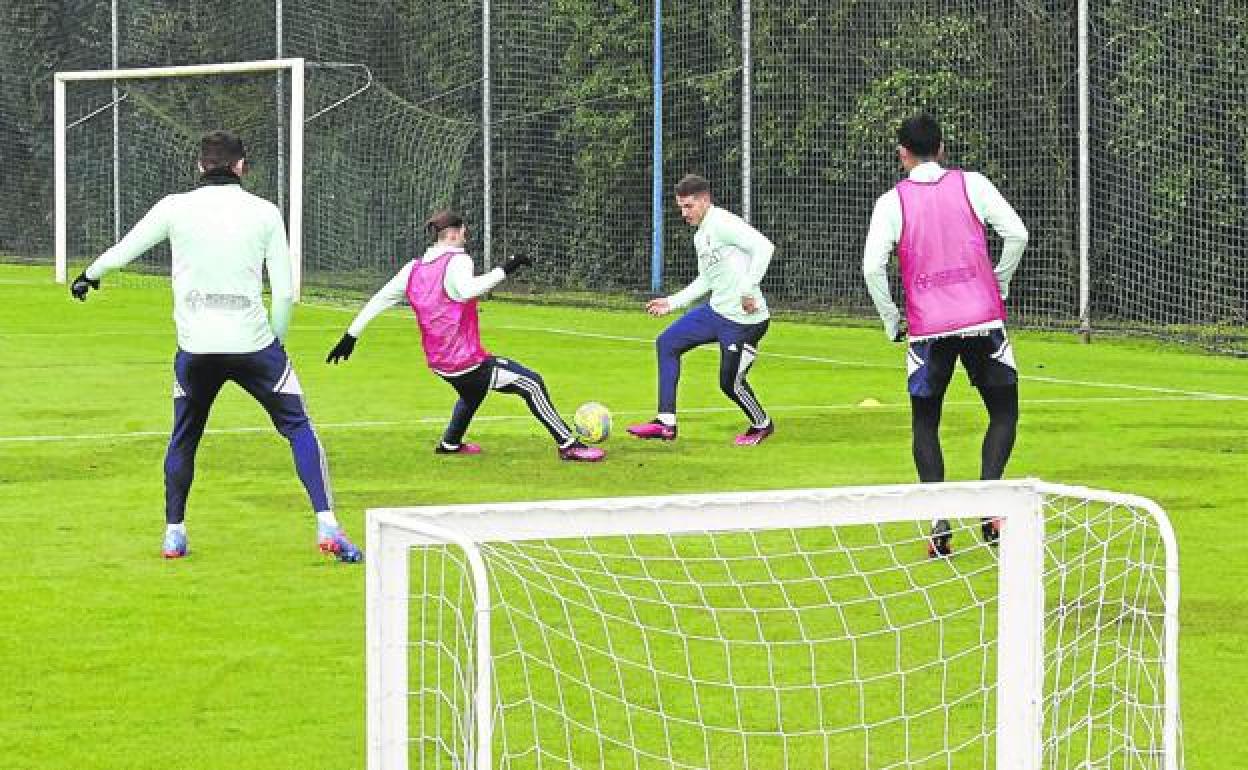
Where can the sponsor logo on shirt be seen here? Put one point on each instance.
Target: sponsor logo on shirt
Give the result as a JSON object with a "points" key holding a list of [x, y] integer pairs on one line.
{"points": [[960, 274], [196, 301], [711, 257]]}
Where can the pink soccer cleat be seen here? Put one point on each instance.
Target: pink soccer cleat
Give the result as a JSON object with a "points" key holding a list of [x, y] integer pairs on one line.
{"points": [[462, 449], [755, 435], [578, 452], [653, 430]]}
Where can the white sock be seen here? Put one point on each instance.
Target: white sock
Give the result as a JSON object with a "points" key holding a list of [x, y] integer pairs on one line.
{"points": [[667, 418], [180, 528], [326, 518]]}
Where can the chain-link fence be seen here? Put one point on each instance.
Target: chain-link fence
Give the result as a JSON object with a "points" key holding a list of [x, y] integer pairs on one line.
{"points": [[788, 106]]}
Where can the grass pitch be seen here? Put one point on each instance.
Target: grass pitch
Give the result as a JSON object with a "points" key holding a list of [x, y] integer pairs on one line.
{"points": [[249, 654]]}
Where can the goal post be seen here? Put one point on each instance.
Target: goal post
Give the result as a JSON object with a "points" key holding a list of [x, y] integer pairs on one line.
{"points": [[295, 144], [789, 628]]}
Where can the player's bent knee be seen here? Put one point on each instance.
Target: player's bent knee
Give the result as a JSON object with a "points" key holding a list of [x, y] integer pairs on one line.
{"points": [[667, 343], [292, 427]]}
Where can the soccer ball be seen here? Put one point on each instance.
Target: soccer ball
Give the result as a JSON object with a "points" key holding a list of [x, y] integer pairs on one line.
{"points": [[593, 422]]}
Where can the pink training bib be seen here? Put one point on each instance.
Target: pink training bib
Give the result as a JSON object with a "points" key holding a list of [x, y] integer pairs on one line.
{"points": [[943, 255], [448, 329]]}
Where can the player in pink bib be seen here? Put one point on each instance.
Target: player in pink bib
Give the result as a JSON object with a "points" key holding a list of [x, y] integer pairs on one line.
{"points": [[943, 256], [442, 291], [954, 299], [448, 329]]}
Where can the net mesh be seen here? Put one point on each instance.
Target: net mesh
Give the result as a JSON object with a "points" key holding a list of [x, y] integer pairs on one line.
{"points": [[376, 166], [42, 37], [571, 142], [815, 647], [161, 121], [393, 131], [999, 74], [391, 125], [1169, 170]]}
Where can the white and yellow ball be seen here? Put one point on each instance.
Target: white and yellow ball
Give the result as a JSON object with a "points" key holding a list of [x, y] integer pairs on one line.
{"points": [[592, 422]]}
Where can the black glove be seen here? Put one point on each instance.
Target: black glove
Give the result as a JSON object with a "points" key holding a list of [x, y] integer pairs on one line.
{"points": [[515, 262], [342, 350], [81, 285]]}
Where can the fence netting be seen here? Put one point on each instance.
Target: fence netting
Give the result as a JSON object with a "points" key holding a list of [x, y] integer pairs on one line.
{"points": [[396, 128]]}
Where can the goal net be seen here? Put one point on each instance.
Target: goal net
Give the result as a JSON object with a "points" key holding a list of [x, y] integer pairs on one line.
{"points": [[354, 167], [124, 139], [803, 628]]}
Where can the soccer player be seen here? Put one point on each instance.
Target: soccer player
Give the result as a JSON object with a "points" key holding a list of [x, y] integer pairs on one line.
{"points": [[222, 237], [732, 260], [442, 290], [954, 299]]}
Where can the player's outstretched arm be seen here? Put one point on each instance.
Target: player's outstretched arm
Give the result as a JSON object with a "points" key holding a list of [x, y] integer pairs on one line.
{"points": [[462, 285], [149, 231], [391, 294]]}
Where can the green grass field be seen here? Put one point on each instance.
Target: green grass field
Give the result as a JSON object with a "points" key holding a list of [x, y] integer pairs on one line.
{"points": [[249, 654]]}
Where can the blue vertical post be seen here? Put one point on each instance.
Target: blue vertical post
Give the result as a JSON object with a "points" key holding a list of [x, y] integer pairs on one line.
{"points": [[656, 190]]}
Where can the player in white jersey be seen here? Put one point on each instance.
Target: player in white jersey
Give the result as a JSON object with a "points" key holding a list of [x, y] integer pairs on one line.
{"points": [[732, 260], [954, 296], [222, 238]]}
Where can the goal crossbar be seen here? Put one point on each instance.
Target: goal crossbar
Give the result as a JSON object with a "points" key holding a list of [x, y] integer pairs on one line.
{"points": [[794, 508], [295, 66]]}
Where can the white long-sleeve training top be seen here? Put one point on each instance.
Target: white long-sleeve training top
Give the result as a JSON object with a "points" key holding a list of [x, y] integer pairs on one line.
{"points": [[222, 238], [732, 260]]}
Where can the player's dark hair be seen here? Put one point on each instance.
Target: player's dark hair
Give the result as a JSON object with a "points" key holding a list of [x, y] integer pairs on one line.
{"points": [[692, 184], [220, 150], [441, 220], [920, 135]]}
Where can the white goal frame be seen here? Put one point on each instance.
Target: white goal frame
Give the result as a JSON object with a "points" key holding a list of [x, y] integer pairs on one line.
{"points": [[393, 532], [295, 66]]}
